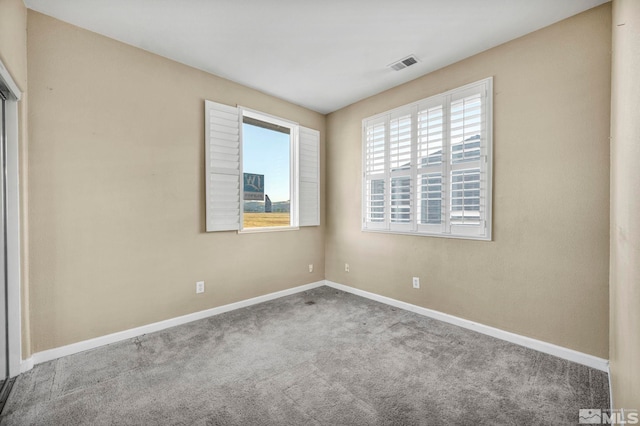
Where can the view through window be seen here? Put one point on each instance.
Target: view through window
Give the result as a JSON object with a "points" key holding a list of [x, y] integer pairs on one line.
{"points": [[266, 167]]}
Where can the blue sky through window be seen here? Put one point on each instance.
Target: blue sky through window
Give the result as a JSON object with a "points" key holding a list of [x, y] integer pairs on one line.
{"points": [[266, 152]]}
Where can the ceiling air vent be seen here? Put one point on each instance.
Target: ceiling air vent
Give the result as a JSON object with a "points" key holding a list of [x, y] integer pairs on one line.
{"points": [[404, 63]]}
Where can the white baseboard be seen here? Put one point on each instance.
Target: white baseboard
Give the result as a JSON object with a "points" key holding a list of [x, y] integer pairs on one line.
{"points": [[26, 365], [538, 345], [549, 348], [610, 389], [50, 354]]}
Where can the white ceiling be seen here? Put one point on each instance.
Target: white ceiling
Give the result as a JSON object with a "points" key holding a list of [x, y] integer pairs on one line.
{"points": [[323, 55]]}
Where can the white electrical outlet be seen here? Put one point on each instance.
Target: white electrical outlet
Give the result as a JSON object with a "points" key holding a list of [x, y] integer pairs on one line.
{"points": [[311, 267], [200, 287], [346, 267], [416, 282]]}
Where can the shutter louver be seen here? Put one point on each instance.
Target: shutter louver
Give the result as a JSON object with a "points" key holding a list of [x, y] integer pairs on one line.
{"points": [[375, 201], [375, 149], [430, 128], [430, 199], [222, 141], [400, 143], [309, 163], [430, 134], [466, 128], [401, 199], [375, 167], [465, 197], [467, 177]]}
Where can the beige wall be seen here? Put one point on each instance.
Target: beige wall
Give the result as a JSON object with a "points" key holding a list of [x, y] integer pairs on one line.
{"points": [[116, 187], [13, 52], [13, 40], [545, 274], [625, 206]]}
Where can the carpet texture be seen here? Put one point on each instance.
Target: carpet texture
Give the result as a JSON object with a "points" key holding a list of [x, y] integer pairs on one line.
{"points": [[322, 357]]}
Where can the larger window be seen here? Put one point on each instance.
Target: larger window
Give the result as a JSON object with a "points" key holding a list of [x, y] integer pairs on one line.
{"points": [[262, 172], [427, 166]]}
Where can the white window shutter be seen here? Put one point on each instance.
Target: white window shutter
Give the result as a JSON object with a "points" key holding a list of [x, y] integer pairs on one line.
{"points": [[427, 165], [467, 170], [309, 163], [375, 133], [222, 141]]}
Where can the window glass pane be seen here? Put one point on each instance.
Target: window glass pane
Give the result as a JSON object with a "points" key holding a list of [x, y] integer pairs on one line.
{"points": [[466, 128], [465, 197], [266, 167], [375, 197], [401, 200], [430, 198]]}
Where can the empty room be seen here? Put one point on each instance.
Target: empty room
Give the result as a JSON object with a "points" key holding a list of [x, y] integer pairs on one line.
{"points": [[328, 213]]}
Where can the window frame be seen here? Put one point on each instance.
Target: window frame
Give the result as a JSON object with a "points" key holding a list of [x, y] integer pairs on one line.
{"points": [[294, 174], [446, 167]]}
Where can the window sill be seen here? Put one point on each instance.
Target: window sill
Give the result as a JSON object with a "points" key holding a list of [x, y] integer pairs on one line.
{"points": [[268, 229], [427, 234]]}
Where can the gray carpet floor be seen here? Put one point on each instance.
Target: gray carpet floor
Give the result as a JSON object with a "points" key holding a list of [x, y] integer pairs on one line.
{"points": [[322, 357]]}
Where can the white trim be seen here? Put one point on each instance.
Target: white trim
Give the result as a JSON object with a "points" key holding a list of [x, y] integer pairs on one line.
{"points": [[268, 229], [5, 76], [427, 234], [14, 330], [538, 345], [13, 239], [294, 174], [263, 116], [294, 179], [26, 365], [610, 388], [488, 157], [51, 354]]}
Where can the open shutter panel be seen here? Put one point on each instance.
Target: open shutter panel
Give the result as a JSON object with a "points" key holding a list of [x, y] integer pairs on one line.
{"points": [[309, 143], [222, 140]]}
